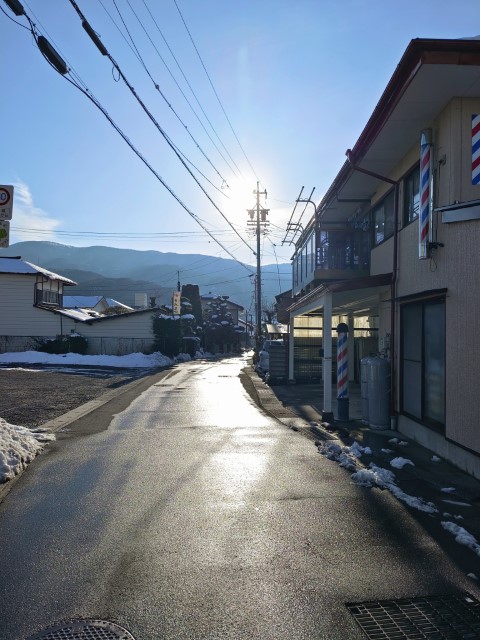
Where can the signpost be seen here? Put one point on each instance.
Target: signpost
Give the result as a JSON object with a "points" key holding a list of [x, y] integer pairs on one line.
{"points": [[6, 202], [4, 234], [6, 208]]}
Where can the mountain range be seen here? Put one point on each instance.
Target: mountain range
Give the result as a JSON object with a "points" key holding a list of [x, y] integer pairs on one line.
{"points": [[121, 273]]}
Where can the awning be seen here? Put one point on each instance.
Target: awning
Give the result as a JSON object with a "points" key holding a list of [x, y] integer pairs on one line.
{"points": [[358, 296]]}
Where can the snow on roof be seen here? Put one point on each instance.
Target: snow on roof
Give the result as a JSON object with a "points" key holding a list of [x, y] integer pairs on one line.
{"points": [[81, 315], [89, 302], [89, 315], [19, 266], [115, 303], [214, 296]]}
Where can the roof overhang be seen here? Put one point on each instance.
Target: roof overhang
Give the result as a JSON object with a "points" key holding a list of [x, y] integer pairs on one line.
{"points": [[429, 75], [360, 297]]}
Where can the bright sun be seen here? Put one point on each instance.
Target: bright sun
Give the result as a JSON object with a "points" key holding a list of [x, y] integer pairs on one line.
{"points": [[240, 198]]}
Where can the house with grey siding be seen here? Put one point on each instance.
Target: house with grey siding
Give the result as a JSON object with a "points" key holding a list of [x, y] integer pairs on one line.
{"points": [[32, 308], [392, 252]]}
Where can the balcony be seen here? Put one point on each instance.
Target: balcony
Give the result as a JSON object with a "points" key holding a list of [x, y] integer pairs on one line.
{"points": [[47, 297], [342, 254]]}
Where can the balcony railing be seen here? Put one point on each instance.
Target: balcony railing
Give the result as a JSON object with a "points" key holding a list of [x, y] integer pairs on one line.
{"points": [[43, 296], [343, 250]]}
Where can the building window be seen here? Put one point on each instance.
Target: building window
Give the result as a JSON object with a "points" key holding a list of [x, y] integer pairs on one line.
{"points": [[382, 218], [423, 361], [411, 196]]}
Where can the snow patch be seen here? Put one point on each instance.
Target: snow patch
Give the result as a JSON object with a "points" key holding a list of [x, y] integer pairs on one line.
{"points": [[18, 447], [399, 463], [462, 536]]}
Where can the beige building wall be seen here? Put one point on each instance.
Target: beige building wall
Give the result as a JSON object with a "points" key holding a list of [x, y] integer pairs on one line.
{"points": [[133, 326], [21, 322], [19, 315], [118, 335], [450, 267]]}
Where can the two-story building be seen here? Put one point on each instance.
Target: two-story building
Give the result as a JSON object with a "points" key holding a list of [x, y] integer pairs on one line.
{"points": [[392, 250], [33, 309]]}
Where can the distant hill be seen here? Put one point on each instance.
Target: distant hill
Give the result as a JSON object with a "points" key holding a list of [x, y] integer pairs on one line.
{"points": [[120, 273]]}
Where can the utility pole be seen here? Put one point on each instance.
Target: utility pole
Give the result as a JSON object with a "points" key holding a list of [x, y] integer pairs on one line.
{"points": [[258, 219]]}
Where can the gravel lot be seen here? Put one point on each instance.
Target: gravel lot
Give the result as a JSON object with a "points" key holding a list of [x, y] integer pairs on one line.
{"points": [[31, 397]]}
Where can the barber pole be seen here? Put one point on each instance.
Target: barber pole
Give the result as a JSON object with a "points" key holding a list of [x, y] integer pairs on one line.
{"points": [[476, 149], [342, 371], [424, 226]]}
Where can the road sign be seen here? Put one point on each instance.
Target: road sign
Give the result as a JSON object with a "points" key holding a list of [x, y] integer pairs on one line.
{"points": [[6, 201], [4, 234]]}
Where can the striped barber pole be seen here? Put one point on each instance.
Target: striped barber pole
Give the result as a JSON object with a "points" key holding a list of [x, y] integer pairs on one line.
{"points": [[476, 149], [425, 176], [342, 365]]}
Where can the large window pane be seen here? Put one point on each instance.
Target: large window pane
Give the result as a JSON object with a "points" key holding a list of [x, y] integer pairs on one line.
{"points": [[434, 369], [412, 388], [412, 332], [412, 359], [423, 361]]}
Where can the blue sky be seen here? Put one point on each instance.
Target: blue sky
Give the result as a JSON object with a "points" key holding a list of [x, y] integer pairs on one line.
{"points": [[298, 80]]}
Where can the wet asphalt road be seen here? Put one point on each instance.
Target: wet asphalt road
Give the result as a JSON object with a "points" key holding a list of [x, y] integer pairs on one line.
{"points": [[188, 513]]}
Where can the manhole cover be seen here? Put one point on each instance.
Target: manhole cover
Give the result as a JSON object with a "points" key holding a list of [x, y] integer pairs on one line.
{"points": [[83, 630], [451, 617]]}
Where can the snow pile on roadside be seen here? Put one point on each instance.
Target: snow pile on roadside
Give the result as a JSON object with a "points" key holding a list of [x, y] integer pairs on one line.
{"points": [[18, 447], [373, 476], [462, 536], [345, 456], [131, 360]]}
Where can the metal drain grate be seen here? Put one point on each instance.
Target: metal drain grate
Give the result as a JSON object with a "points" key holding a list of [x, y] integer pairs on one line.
{"points": [[84, 630], [451, 617]]}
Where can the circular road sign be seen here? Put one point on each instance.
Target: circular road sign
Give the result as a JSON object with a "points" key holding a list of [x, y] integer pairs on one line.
{"points": [[4, 196]]}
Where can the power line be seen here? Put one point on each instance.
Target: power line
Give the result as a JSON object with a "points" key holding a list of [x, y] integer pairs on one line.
{"points": [[54, 59], [278, 268], [173, 78], [215, 92], [131, 235], [96, 40], [193, 93], [137, 54]]}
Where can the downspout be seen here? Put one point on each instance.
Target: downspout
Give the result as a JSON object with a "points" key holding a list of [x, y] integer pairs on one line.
{"points": [[393, 286]]}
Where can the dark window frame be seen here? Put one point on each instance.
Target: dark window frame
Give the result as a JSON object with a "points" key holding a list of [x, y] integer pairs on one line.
{"points": [[424, 419], [411, 192], [387, 206]]}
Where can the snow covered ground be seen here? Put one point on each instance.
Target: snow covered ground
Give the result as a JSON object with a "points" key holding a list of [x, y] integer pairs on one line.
{"points": [[132, 360], [19, 445]]}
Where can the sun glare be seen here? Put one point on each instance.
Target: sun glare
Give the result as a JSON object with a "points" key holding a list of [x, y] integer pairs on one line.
{"points": [[240, 199]]}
